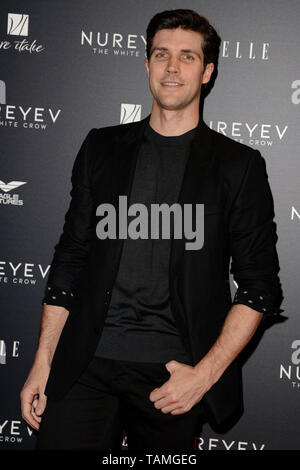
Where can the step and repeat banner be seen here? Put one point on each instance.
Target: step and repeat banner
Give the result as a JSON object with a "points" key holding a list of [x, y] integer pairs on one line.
{"points": [[68, 66]]}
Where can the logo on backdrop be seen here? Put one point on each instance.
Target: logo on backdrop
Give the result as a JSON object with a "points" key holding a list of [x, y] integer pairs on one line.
{"points": [[201, 443], [14, 431], [18, 25], [2, 92], [295, 214], [290, 372], [29, 117], [221, 444], [8, 350], [104, 43], [295, 97], [246, 50], [253, 133], [12, 199], [130, 113], [25, 274]]}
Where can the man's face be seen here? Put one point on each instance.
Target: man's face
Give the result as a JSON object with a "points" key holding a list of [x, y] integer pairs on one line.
{"points": [[176, 57]]}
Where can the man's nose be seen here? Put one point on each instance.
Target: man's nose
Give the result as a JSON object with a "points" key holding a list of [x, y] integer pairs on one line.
{"points": [[172, 65]]}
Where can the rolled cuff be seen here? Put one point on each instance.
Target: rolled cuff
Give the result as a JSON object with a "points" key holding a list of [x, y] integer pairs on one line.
{"points": [[257, 300], [59, 297]]}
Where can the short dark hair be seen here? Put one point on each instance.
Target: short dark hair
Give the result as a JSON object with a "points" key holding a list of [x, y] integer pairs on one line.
{"points": [[186, 19]]}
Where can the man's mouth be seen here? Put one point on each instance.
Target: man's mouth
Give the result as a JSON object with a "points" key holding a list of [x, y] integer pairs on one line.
{"points": [[171, 84]]}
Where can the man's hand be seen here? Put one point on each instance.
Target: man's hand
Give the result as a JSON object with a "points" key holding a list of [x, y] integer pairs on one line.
{"points": [[183, 390], [33, 400]]}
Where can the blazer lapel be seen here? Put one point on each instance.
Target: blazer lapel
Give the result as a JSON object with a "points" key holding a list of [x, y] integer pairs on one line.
{"points": [[195, 187], [192, 186], [124, 159]]}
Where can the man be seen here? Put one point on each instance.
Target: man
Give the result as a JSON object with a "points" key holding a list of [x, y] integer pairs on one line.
{"points": [[141, 334]]}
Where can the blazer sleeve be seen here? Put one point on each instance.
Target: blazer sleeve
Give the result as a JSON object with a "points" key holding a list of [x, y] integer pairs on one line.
{"points": [[71, 251], [252, 235]]}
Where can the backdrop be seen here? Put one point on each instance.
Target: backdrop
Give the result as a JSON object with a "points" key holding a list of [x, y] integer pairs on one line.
{"points": [[68, 66]]}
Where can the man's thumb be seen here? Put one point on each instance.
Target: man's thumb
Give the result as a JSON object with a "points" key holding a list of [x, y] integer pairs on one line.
{"points": [[41, 405]]}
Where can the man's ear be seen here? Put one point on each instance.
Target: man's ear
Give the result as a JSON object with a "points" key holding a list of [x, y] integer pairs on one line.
{"points": [[208, 72]]}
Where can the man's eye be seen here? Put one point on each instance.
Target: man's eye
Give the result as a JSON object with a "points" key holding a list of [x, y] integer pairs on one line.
{"points": [[161, 54]]}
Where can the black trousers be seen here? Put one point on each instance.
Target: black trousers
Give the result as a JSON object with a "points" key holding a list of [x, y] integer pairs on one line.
{"points": [[111, 399]]}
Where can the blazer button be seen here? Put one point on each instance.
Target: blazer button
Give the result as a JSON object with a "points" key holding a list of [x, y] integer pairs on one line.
{"points": [[97, 331]]}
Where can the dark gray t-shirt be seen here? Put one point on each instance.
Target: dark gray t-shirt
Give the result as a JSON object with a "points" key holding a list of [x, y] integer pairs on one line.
{"points": [[139, 325]]}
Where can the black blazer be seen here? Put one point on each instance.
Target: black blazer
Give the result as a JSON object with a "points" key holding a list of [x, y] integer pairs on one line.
{"points": [[230, 179]]}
